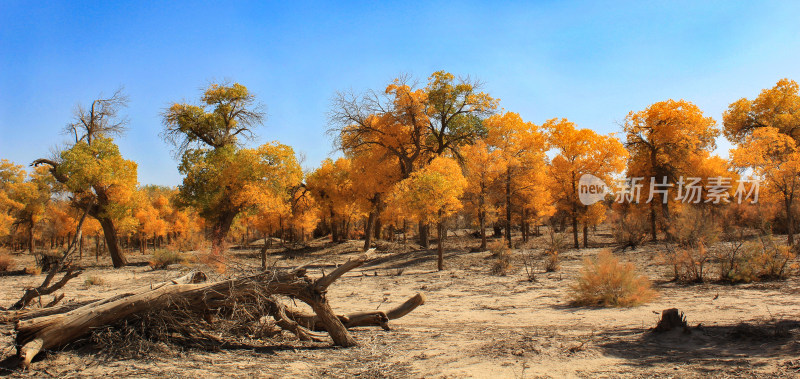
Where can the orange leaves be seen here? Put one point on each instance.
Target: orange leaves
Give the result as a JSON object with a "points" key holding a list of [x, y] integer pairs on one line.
{"points": [[431, 192], [667, 137], [777, 107], [581, 151], [333, 188]]}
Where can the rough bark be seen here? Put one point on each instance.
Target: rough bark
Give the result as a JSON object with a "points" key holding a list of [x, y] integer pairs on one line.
{"points": [[112, 242]]}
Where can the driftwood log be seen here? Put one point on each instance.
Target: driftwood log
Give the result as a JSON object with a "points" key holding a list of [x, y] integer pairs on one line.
{"points": [[49, 328]]}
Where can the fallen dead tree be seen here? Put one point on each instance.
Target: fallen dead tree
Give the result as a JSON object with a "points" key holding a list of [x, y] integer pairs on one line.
{"points": [[249, 298]]}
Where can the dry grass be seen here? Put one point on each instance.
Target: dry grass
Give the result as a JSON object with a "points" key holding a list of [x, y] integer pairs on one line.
{"points": [[605, 281]]}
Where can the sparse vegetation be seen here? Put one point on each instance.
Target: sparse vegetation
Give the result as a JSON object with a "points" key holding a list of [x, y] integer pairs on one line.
{"points": [[502, 258], [630, 230], [93, 280], [605, 281], [744, 262], [163, 258], [6, 262]]}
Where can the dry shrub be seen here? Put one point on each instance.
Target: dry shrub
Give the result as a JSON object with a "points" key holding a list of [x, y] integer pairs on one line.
{"points": [[529, 260], [688, 263], [502, 258], [605, 281], [690, 232], [93, 280], [755, 261], [6, 262], [551, 261], [630, 230], [163, 258], [33, 270]]}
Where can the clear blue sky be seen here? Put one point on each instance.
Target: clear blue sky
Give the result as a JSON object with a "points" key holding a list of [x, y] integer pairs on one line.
{"points": [[589, 62]]}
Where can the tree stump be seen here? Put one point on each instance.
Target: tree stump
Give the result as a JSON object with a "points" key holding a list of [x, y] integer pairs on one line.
{"points": [[670, 319]]}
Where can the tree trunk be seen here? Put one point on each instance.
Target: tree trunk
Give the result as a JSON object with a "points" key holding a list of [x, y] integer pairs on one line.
{"points": [[508, 207], [575, 230], [440, 248], [219, 231], [585, 235], [653, 230], [482, 221], [424, 237], [368, 230], [789, 219], [110, 232], [31, 241]]}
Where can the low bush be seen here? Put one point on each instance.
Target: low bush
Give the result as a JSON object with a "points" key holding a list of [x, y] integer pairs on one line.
{"points": [[163, 258], [605, 281], [502, 258], [689, 264], [755, 261], [631, 230], [93, 280], [552, 261], [6, 262], [190, 242], [556, 245]]}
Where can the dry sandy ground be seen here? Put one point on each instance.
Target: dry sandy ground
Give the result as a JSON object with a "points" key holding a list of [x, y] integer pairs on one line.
{"points": [[473, 325]]}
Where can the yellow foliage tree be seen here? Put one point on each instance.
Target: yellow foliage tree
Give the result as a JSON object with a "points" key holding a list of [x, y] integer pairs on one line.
{"points": [[668, 139], [580, 152], [432, 194], [483, 168], [774, 156], [522, 148]]}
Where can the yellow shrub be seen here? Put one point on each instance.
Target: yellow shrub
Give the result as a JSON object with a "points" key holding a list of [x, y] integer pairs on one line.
{"points": [[605, 281]]}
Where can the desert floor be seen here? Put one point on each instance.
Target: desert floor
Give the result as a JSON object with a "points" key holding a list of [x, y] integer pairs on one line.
{"points": [[473, 324]]}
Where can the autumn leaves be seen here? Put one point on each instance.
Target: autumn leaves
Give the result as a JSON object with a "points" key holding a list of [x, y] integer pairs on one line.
{"points": [[413, 157]]}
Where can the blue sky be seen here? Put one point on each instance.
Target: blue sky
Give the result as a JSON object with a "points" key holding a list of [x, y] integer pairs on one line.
{"points": [[590, 62]]}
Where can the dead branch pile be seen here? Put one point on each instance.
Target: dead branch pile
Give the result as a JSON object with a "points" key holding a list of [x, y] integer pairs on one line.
{"points": [[194, 311]]}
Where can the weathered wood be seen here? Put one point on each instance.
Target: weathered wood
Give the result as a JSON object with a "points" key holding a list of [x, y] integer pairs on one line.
{"points": [[369, 318], [55, 330]]}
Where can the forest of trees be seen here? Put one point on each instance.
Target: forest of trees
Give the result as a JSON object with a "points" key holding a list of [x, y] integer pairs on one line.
{"points": [[415, 162]]}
